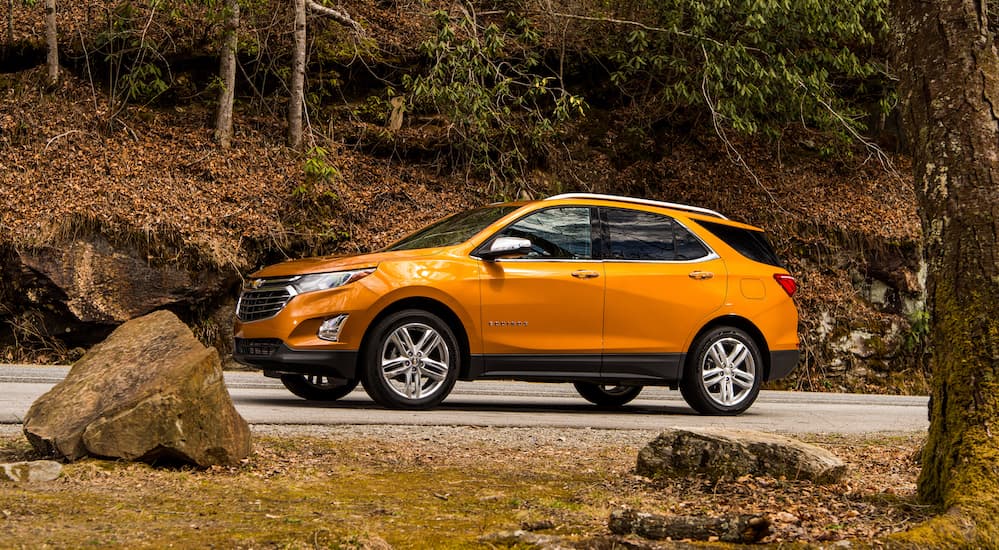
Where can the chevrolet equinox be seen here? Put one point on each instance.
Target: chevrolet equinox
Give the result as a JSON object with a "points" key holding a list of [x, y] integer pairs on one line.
{"points": [[608, 293]]}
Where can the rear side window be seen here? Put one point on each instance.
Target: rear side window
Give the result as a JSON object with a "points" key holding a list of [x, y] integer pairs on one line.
{"points": [[751, 244], [638, 235]]}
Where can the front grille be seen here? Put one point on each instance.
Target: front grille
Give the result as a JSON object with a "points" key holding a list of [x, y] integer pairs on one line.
{"points": [[257, 347], [262, 303]]}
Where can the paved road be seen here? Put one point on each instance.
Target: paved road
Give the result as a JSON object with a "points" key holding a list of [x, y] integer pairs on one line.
{"points": [[264, 401]]}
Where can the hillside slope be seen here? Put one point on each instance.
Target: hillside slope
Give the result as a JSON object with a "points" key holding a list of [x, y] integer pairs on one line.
{"points": [[107, 216]]}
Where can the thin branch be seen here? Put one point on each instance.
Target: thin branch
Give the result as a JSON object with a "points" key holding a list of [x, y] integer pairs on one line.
{"points": [[733, 153], [872, 147], [64, 134], [90, 76], [643, 26], [339, 15]]}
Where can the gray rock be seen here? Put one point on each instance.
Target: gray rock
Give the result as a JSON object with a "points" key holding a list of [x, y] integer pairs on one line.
{"points": [[149, 392], [743, 528], [30, 472], [724, 453]]}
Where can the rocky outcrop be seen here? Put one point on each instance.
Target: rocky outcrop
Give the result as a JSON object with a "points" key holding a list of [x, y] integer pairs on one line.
{"points": [[30, 472], [79, 287], [105, 284], [722, 453], [149, 392]]}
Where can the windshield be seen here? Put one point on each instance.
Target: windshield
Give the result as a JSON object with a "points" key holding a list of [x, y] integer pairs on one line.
{"points": [[454, 229]]}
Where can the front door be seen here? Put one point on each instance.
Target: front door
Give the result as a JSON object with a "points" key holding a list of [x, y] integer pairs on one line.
{"points": [[542, 312]]}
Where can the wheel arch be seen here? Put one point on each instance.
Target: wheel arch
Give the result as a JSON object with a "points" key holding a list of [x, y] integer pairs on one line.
{"points": [[430, 305], [740, 323]]}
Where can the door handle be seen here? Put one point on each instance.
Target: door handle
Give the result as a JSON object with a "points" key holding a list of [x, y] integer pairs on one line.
{"points": [[584, 274], [701, 275]]}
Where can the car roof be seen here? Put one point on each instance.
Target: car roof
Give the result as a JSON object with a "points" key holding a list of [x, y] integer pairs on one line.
{"points": [[633, 200], [693, 212]]}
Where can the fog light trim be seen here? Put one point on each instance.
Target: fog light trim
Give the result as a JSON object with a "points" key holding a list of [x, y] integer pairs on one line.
{"points": [[330, 329]]}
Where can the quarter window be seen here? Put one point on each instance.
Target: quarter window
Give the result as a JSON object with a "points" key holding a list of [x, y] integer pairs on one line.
{"points": [[555, 233], [751, 244], [638, 235]]}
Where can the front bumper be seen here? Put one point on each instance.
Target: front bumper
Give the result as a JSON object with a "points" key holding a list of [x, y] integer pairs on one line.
{"points": [[275, 357]]}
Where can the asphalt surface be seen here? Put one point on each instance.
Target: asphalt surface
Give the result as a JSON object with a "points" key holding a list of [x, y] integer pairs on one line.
{"points": [[265, 401]]}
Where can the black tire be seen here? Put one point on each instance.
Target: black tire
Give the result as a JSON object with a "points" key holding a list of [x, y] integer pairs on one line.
{"points": [[607, 395], [316, 388], [723, 373], [407, 344]]}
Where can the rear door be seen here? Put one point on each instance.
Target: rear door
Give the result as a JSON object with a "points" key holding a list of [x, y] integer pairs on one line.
{"points": [[662, 285]]}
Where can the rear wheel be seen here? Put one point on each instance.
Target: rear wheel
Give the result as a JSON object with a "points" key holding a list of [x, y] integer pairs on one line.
{"points": [[723, 372], [411, 361], [607, 395], [317, 388]]}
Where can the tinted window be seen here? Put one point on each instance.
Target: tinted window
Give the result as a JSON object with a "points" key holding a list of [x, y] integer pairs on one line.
{"points": [[751, 244], [454, 229], [555, 233], [637, 235]]}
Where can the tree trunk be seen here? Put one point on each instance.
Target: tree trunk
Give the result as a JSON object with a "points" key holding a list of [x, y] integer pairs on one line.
{"points": [[297, 99], [949, 87], [227, 71], [52, 41]]}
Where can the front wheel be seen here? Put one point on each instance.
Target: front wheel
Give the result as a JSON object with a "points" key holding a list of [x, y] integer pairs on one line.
{"points": [[317, 388], [723, 372], [607, 395], [411, 361]]}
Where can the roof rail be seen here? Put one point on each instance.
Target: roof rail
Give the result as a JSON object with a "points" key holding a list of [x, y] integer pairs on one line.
{"points": [[619, 198]]}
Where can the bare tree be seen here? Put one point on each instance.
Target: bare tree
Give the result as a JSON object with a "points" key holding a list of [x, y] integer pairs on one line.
{"points": [[297, 87], [949, 86], [52, 41], [227, 71]]}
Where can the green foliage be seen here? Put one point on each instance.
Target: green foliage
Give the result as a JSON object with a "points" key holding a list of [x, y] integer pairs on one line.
{"points": [[753, 65], [318, 169], [375, 109], [144, 82], [135, 63], [919, 331], [320, 175], [488, 80]]}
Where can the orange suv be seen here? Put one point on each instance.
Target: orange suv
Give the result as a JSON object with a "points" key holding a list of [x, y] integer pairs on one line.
{"points": [[609, 293]]}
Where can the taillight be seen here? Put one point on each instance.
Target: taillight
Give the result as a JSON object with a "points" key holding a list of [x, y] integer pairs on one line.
{"points": [[786, 282]]}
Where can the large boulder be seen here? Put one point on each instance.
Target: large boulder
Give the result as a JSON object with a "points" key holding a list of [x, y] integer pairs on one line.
{"points": [[726, 453], [149, 392]]}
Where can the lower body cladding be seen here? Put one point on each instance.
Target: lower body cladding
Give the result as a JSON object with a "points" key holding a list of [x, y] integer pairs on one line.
{"points": [[275, 358]]}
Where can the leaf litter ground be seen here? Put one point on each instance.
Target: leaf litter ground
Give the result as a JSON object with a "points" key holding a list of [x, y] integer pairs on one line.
{"points": [[420, 487]]}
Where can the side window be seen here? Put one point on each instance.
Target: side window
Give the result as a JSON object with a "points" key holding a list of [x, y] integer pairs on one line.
{"points": [[638, 235], [688, 247], [555, 233]]}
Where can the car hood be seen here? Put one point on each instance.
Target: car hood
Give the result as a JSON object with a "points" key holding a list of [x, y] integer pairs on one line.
{"points": [[324, 264]]}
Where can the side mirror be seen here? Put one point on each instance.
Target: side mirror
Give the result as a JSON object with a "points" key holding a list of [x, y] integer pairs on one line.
{"points": [[506, 246]]}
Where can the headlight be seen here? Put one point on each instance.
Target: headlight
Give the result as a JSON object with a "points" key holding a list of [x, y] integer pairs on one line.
{"points": [[325, 281]]}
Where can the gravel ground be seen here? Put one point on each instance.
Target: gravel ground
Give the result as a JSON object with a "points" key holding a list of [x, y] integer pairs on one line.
{"points": [[582, 438]]}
